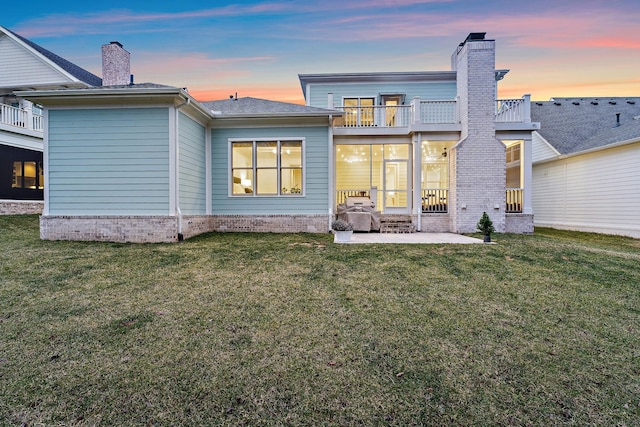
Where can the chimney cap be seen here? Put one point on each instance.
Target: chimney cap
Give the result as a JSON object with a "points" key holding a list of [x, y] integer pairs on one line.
{"points": [[475, 36], [116, 43]]}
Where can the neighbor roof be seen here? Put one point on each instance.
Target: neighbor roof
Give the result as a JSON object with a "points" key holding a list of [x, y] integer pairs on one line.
{"points": [[71, 68], [252, 107], [573, 125]]}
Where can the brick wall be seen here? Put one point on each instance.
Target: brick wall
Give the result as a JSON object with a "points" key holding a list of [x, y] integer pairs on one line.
{"points": [[19, 207], [519, 223], [271, 223], [435, 223], [134, 229]]}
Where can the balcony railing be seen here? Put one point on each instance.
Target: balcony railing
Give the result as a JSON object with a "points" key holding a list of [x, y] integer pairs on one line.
{"points": [[434, 200], [434, 112], [514, 200], [20, 118], [376, 116], [513, 110], [428, 112]]}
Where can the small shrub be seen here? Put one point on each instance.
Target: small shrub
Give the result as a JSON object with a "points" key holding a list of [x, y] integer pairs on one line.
{"points": [[485, 225]]}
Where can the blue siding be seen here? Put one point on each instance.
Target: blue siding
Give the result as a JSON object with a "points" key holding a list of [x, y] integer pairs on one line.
{"points": [[109, 161], [191, 166], [427, 90], [316, 198]]}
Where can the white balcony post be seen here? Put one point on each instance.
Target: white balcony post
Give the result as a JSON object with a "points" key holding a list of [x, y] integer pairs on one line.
{"points": [[527, 108], [416, 109], [27, 107], [527, 176], [330, 105]]}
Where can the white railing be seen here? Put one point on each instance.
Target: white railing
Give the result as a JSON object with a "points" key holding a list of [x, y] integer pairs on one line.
{"points": [[434, 200], [510, 110], [376, 116], [19, 117], [429, 112], [514, 200], [341, 195], [434, 112]]}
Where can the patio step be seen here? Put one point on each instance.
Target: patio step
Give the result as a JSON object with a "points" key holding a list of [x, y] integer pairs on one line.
{"points": [[396, 224]]}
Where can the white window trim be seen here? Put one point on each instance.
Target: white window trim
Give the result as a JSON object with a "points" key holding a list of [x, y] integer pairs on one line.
{"points": [[279, 167]]}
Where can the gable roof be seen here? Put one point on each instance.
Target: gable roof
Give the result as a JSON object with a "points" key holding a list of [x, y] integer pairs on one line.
{"points": [[573, 125], [256, 107], [74, 70]]}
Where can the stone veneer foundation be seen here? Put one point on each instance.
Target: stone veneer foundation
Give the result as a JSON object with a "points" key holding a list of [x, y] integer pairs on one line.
{"points": [[20, 207], [161, 229]]}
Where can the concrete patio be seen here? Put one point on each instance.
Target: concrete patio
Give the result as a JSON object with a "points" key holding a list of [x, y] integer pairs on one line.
{"points": [[412, 238]]}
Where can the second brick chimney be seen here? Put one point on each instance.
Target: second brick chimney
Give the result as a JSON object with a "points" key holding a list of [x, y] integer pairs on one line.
{"points": [[116, 67]]}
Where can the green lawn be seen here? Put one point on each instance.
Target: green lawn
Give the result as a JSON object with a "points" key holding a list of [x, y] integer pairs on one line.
{"points": [[268, 329]]}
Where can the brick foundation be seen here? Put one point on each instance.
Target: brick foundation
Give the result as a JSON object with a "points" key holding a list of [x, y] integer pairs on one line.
{"points": [[21, 207], [134, 229], [435, 223], [519, 223], [271, 223]]}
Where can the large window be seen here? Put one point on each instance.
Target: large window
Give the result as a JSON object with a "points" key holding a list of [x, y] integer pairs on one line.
{"points": [[266, 168], [27, 175]]}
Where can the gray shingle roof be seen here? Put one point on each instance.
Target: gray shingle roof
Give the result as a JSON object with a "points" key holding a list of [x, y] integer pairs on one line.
{"points": [[572, 125], [256, 106], [71, 68]]}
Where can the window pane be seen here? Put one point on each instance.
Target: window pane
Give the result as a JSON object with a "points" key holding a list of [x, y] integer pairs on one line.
{"points": [[29, 179], [267, 154], [291, 154], [396, 151], [41, 178], [366, 102], [242, 154], [17, 175], [242, 181], [291, 181], [267, 181]]}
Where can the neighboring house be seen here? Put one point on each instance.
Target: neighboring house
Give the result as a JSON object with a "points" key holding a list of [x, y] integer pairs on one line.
{"points": [[149, 163], [25, 65], [586, 165]]}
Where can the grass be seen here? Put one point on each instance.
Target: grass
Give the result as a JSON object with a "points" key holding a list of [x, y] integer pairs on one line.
{"points": [[264, 329]]}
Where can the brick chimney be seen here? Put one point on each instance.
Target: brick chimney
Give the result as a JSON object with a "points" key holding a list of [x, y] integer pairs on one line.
{"points": [[478, 181], [116, 67]]}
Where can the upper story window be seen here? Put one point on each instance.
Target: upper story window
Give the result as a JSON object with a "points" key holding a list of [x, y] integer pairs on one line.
{"points": [[359, 111], [267, 167]]}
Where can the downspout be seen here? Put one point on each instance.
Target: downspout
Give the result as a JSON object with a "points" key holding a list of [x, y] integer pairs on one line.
{"points": [[417, 165], [177, 184], [331, 180]]}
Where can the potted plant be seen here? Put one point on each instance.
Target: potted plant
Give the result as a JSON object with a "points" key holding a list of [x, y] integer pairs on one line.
{"points": [[485, 226], [342, 231]]}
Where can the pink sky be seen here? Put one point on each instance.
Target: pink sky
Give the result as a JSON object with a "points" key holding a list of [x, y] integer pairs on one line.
{"points": [[552, 48]]}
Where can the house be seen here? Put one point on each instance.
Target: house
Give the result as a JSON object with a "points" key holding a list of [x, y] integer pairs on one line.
{"points": [[585, 164], [149, 163], [27, 66]]}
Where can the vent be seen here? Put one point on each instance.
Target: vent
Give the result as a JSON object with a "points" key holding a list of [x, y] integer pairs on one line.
{"points": [[612, 102], [557, 103], [631, 102], [594, 102], [575, 103]]}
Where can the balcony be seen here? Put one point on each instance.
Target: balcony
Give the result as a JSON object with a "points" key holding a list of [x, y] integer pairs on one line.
{"points": [[423, 115], [20, 119]]}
